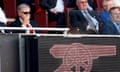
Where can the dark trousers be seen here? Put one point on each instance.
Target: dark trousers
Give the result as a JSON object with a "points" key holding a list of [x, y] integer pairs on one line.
{"points": [[2, 25], [59, 18]]}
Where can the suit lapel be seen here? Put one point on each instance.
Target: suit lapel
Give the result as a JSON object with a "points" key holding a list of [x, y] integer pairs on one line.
{"points": [[83, 20], [82, 16]]}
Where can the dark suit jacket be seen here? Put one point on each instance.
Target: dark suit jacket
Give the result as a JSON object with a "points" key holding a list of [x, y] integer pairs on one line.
{"points": [[3, 25], [92, 4], [47, 4], [78, 20], [17, 23], [70, 3], [109, 28]]}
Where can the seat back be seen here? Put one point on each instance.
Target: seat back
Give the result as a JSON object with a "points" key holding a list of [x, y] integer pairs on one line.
{"points": [[67, 16], [10, 8]]}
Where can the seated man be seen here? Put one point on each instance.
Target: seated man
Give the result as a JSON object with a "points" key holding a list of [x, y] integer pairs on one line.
{"points": [[84, 20], [23, 19], [55, 9], [112, 27]]}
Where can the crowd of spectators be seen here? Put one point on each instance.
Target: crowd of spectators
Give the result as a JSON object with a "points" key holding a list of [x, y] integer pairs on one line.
{"points": [[83, 18]]}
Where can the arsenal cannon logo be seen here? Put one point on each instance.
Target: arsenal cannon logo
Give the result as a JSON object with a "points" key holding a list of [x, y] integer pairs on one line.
{"points": [[79, 55]]}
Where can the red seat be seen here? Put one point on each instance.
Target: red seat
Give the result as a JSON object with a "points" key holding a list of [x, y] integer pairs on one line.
{"points": [[10, 8]]}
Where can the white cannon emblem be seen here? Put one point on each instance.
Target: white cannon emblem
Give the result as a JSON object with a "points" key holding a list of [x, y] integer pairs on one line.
{"points": [[79, 55]]}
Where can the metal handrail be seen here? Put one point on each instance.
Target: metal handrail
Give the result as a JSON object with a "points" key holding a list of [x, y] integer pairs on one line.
{"points": [[65, 30], [34, 28]]}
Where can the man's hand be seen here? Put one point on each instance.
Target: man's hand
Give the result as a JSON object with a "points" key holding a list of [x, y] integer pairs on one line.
{"points": [[25, 19], [54, 11]]}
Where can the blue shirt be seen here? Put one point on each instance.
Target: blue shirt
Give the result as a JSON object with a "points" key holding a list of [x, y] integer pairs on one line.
{"points": [[105, 17]]}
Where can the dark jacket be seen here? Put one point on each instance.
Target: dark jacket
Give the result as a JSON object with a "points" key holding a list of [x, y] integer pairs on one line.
{"points": [[47, 4], [109, 29], [3, 25], [17, 23]]}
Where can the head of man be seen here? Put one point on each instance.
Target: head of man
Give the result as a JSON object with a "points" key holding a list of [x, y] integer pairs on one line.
{"points": [[82, 4], [115, 14], [107, 4], [24, 11]]}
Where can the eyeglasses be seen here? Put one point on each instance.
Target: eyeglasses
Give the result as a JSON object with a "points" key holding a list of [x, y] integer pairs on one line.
{"points": [[26, 12]]}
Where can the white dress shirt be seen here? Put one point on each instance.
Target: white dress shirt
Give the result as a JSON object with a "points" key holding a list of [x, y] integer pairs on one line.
{"points": [[91, 20], [30, 26], [3, 18], [59, 6]]}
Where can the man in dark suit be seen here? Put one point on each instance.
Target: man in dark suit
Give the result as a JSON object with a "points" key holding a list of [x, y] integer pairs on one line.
{"points": [[55, 9], [83, 19], [23, 20], [112, 27]]}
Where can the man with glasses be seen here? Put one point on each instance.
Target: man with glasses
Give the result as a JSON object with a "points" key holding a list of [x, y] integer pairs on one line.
{"points": [[112, 27], [23, 19], [84, 20]]}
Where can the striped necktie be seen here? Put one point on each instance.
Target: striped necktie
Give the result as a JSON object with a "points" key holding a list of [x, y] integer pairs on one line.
{"points": [[90, 21]]}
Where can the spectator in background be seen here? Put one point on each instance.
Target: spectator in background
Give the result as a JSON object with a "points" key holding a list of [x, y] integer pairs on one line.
{"points": [[3, 20], [112, 27], [55, 9], [23, 19], [104, 15], [83, 19]]}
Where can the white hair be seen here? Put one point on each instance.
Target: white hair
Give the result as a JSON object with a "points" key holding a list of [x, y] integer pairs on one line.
{"points": [[23, 5]]}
